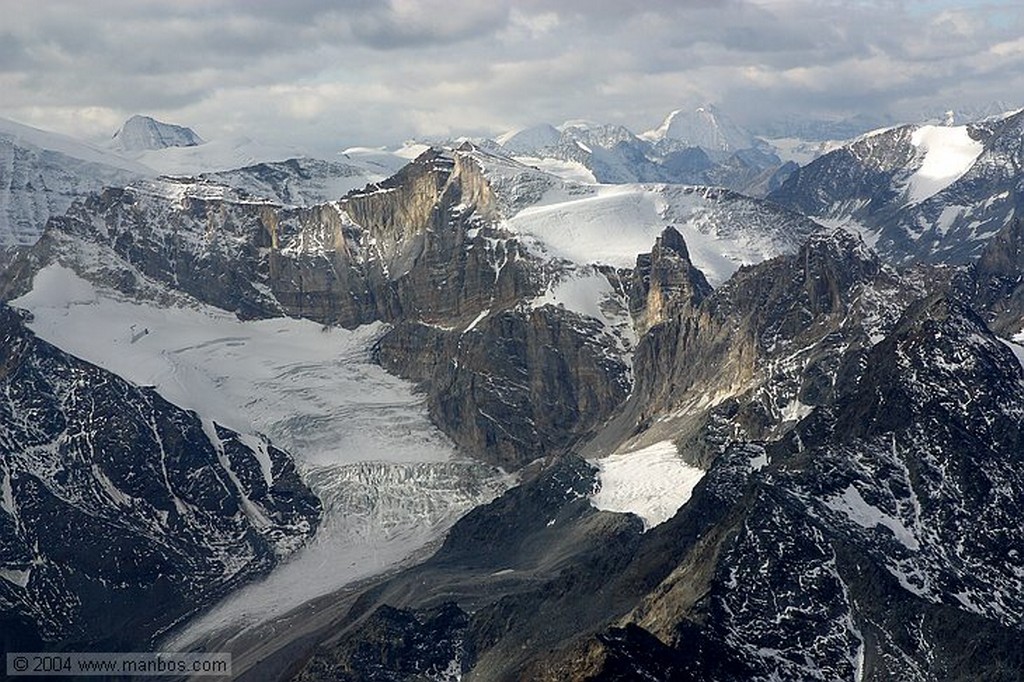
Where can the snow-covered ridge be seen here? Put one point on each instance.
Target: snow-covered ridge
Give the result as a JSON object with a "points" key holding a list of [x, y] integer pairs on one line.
{"points": [[216, 155], [179, 189], [68, 146], [530, 139], [42, 173], [690, 147]]}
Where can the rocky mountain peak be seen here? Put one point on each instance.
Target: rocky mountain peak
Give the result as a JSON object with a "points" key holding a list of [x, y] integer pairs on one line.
{"points": [[935, 361], [665, 283], [422, 203], [840, 248], [919, 193], [786, 293], [143, 133], [832, 265], [671, 239]]}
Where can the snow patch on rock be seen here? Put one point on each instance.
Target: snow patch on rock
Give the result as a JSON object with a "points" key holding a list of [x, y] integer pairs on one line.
{"points": [[582, 291], [857, 509], [652, 482]]}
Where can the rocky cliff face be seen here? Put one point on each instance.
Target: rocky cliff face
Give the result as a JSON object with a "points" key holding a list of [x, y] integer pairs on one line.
{"points": [[862, 517], [664, 284], [762, 350], [412, 247], [516, 385], [435, 244], [113, 498], [993, 285], [856, 180]]}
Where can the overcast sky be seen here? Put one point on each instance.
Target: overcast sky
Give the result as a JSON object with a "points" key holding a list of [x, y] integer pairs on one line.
{"points": [[323, 75]]}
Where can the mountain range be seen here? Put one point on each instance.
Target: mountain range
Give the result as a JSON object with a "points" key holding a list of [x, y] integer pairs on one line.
{"points": [[558, 405], [43, 173]]}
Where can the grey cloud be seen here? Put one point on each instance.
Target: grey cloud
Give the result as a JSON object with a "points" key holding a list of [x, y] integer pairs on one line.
{"points": [[390, 27], [13, 53], [376, 72]]}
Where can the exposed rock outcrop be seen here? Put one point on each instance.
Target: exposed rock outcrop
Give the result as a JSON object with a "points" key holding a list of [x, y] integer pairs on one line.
{"points": [[664, 283], [515, 385], [760, 350], [995, 283]]}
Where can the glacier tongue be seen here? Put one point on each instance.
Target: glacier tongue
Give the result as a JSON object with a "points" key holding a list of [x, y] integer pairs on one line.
{"points": [[377, 516], [313, 390]]}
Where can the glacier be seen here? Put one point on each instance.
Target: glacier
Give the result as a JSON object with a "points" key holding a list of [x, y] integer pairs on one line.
{"points": [[390, 481]]}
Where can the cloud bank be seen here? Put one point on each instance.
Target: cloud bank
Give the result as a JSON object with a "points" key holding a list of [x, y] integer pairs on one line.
{"points": [[325, 74]]}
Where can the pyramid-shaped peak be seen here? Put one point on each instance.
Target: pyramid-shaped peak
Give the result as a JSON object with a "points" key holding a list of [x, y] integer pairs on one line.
{"points": [[143, 133], [706, 127], [530, 139]]}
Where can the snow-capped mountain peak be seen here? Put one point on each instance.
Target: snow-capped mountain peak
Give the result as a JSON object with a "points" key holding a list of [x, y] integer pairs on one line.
{"points": [[142, 133], [704, 127], [529, 139], [43, 172], [661, 132]]}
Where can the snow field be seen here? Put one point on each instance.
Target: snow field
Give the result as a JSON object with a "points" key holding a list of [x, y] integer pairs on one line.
{"points": [[652, 482], [313, 391], [948, 153], [615, 223]]}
